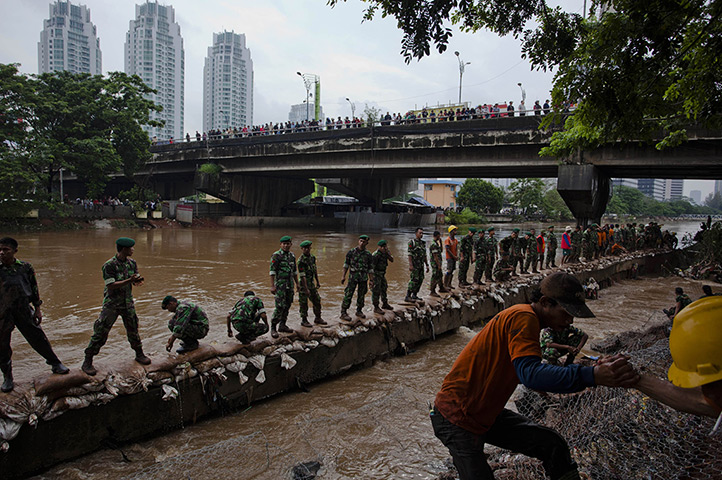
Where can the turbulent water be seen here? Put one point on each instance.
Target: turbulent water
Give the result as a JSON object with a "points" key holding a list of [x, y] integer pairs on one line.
{"points": [[371, 423]]}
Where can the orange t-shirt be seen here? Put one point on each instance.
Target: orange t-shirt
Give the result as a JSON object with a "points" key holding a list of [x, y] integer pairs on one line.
{"points": [[483, 378], [452, 245]]}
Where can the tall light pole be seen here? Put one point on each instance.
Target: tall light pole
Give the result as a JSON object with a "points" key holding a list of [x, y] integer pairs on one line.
{"points": [[353, 108], [462, 65]]}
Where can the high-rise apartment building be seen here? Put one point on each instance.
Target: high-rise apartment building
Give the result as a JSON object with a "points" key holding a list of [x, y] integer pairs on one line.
{"points": [[69, 41], [154, 52], [228, 83]]}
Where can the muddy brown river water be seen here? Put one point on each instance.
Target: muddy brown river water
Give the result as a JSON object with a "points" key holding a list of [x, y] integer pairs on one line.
{"points": [[372, 423]]}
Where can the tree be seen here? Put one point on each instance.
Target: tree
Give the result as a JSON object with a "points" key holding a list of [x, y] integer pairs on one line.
{"points": [[480, 195], [527, 194], [634, 68]]}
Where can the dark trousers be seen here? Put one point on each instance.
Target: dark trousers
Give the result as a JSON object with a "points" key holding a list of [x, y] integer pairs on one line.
{"points": [[22, 317], [510, 431]]}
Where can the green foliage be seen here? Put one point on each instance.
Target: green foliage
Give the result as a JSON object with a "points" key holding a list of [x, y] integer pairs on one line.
{"points": [[480, 195], [465, 217], [527, 194], [210, 168]]}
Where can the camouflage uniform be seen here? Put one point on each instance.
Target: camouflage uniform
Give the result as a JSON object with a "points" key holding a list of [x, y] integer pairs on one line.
{"points": [[437, 275], [189, 322], [501, 275], [466, 245], [283, 269], [551, 249], [359, 264], [417, 252], [118, 301], [490, 256], [480, 265], [569, 336], [307, 269], [245, 318], [379, 262]]}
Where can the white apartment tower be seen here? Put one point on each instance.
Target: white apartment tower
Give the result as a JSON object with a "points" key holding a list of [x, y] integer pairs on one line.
{"points": [[154, 52], [69, 41], [228, 83]]}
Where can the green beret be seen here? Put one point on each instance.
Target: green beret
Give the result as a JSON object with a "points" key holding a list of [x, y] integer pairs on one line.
{"points": [[125, 242], [306, 243], [166, 300], [285, 238], [472, 229], [516, 230], [363, 237], [382, 243], [490, 229]]}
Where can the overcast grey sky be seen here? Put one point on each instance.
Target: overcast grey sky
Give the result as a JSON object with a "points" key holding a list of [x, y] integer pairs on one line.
{"points": [[355, 59]]}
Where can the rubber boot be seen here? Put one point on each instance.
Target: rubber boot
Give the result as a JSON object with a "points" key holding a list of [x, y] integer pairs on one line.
{"points": [[88, 367], [274, 332], [378, 310], [8, 383], [141, 358], [283, 328], [360, 313], [386, 306], [305, 323], [344, 315]]}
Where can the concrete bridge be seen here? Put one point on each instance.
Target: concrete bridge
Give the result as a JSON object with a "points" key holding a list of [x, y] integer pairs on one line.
{"points": [[265, 173]]}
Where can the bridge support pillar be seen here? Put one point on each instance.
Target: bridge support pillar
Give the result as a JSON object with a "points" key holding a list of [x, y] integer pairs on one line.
{"points": [[585, 190], [258, 196], [370, 190]]}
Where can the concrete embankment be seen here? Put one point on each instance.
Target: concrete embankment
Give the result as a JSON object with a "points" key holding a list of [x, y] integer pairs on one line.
{"points": [[56, 418]]}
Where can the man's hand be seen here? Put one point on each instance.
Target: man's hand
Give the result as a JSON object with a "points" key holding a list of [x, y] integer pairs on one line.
{"points": [[615, 371]]}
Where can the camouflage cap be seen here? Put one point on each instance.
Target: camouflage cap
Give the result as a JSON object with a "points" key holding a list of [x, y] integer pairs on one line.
{"points": [[166, 300], [382, 243], [285, 238], [125, 242], [306, 243]]}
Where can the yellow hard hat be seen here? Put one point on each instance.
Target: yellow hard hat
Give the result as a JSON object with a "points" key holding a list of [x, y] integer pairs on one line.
{"points": [[696, 344], [452, 227]]}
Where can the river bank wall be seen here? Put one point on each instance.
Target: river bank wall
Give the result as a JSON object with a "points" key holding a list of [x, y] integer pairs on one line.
{"points": [[57, 418]]}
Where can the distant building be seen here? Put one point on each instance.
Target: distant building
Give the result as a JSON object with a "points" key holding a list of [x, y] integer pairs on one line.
{"points": [[297, 114], [652, 187], [154, 52], [441, 192], [228, 83], [69, 41], [673, 188], [696, 196]]}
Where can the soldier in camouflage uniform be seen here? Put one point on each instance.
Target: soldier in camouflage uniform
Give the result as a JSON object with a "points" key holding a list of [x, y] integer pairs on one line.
{"points": [[490, 253], [189, 323], [358, 261], [503, 268], [551, 248], [308, 290], [120, 274], [379, 261], [466, 248], [437, 275], [480, 257], [417, 260], [531, 253], [248, 317], [283, 278]]}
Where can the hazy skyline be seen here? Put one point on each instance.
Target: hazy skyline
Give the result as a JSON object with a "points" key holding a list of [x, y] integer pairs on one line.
{"points": [[355, 59]]}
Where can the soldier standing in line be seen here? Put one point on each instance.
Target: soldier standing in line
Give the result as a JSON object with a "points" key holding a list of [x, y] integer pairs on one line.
{"points": [[358, 260], [576, 237], [248, 317], [189, 323], [451, 246], [19, 290], [551, 247], [120, 274], [309, 285], [480, 257], [437, 275], [379, 261], [466, 247], [490, 253], [531, 254], [283, 278], [417, 260]]}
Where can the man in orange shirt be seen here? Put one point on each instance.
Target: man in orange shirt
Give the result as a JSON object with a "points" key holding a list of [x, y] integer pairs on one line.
{"points": [[469, 409], [451, 246]]}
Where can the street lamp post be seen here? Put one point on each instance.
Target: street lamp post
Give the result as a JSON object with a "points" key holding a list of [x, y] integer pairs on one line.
{"points": [[462, 65], [353, 108]]}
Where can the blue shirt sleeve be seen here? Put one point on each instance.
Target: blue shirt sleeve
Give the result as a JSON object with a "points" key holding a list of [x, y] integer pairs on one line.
{"points": [[551, 378]]}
